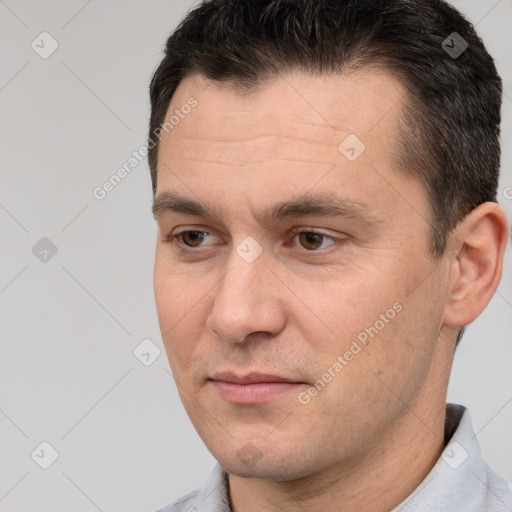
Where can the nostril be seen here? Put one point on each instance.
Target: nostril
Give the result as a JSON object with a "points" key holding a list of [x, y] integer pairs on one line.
{"points": [[226, 340]]}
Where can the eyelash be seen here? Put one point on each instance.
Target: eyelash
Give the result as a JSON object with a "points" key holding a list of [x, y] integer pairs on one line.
{"points": [[184, 248]]}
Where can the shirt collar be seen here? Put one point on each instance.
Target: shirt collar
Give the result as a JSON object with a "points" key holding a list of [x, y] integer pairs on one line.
{"points": [[461, 461]]}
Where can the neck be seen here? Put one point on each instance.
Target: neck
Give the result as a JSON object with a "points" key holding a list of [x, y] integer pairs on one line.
{"points": [[379, 479]]}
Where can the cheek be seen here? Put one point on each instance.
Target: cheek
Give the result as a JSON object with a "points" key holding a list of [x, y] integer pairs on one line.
{"points": [[361, 322], [176, 293], [345, 308], [181, 304]]}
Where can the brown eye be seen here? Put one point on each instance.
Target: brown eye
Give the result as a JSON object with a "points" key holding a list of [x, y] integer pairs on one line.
{"points": [[310, 240], [193, 238]]}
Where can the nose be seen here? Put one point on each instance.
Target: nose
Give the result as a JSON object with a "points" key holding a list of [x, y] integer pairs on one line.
{"points": [[248, 301]]}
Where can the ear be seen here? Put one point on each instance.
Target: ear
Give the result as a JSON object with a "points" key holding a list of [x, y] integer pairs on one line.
{"points": [[477, 245]]}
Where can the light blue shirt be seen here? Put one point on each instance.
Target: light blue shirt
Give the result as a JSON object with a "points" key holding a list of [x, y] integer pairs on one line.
{"points": [[461, 481]]}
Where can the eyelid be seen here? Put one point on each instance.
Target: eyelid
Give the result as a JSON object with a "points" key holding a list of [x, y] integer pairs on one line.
{"points": [[311, 253], [181, 231], [305, 229], [174, 237], [297, 231]]}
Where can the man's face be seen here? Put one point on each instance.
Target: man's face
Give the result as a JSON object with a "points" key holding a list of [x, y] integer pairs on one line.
{"points": [[342, 276]]}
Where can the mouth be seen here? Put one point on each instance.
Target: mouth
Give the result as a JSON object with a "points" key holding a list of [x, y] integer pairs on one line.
{"points": [[252, 388]]}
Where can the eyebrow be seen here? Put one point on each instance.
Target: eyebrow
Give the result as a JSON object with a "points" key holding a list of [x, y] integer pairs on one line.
{"points": [[320, 205]]}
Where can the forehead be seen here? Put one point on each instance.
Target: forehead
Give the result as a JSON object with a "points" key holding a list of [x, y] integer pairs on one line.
{"points": [[284, 136], [352, 102]]}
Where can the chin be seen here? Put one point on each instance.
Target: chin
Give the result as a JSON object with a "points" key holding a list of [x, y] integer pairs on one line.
{"points": [[254, 461]]}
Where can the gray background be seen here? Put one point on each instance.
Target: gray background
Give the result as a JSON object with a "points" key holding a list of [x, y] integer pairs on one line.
{"points": [[70, 324]]}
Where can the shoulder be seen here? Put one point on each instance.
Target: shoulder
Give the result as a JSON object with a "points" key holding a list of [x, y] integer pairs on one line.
{"points": [[212, 497], [498, 497], [183, 504]]}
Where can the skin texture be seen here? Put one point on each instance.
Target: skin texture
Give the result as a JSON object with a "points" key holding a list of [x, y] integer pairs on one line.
{"points": [[372, 434]]}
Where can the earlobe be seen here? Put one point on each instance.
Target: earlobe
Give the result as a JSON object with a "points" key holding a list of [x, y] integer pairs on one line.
{"points": [[481, 239]]}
